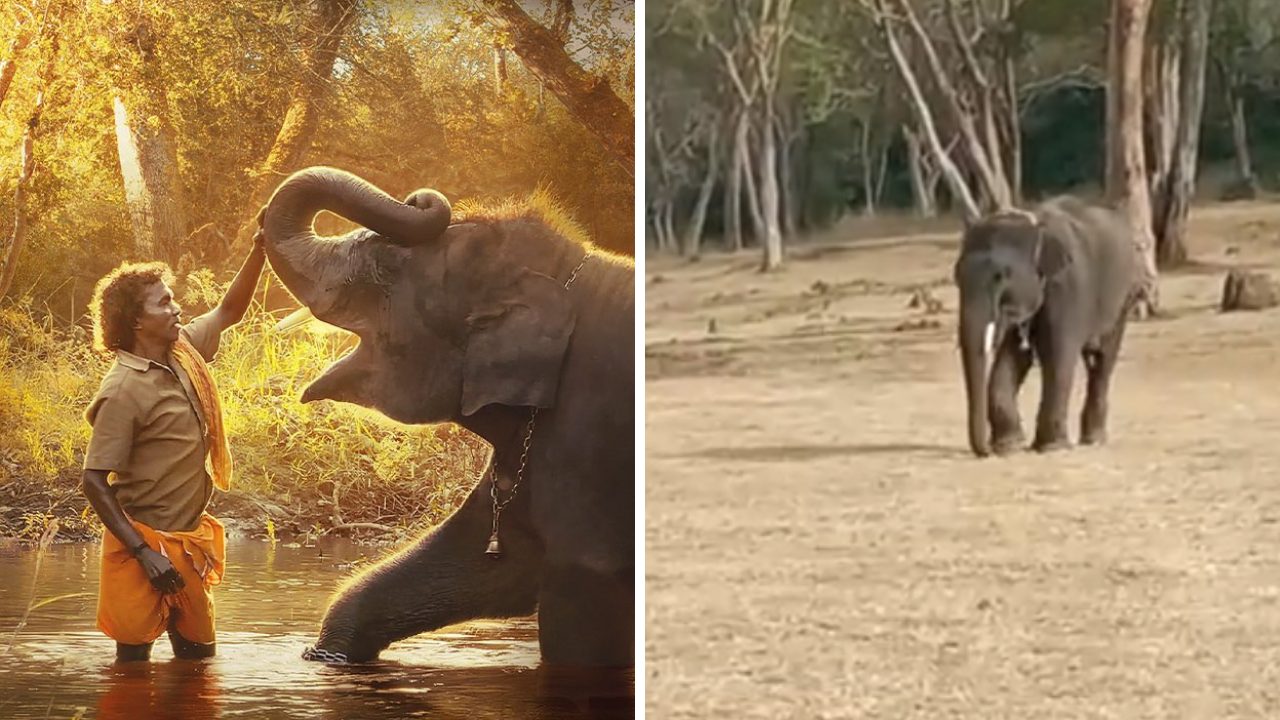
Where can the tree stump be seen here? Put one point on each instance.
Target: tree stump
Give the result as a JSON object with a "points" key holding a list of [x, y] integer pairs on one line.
{"points": [[1244, 290]]}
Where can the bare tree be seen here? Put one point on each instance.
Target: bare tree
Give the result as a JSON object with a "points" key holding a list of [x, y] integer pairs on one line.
{"points": [[924, 115], [708, 136], [768, 37]]}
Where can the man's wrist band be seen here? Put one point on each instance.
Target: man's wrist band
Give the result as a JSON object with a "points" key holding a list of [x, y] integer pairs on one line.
{"points": [[138, 548]]}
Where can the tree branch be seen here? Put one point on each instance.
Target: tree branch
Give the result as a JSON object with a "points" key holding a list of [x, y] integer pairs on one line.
{"points": [[588, 98]]}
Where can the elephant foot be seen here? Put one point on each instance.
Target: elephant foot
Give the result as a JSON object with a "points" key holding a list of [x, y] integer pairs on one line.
{"points": [[1051, 445], [1009, 444], [1093, 436], [315, 654]]}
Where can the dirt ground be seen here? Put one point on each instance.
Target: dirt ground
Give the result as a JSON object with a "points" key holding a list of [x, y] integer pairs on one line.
{"points": [[820, 543]]}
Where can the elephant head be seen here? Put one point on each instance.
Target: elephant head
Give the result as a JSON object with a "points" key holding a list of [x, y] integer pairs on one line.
{"points": [[1006, 261], [451, 318]]}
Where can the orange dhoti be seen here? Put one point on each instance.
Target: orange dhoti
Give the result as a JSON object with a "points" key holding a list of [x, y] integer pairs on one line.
{"points": [[132, 611]]}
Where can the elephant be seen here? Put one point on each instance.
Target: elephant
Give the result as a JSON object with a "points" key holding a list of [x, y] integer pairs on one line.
{"points": [[1052, 285], [507, 322]]}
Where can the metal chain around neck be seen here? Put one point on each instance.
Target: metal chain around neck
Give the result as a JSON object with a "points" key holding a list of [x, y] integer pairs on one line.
{"points": [[495, 548], [493, 472], [574, 275]]}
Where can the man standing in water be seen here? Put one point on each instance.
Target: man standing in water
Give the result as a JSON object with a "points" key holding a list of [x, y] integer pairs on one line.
{"points": [[157, 427]]}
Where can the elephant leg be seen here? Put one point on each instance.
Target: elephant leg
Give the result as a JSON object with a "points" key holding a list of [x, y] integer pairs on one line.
{"points": [[444, 578], [586, 616], [1008, 372], [1100, 364], [1058, 364]]}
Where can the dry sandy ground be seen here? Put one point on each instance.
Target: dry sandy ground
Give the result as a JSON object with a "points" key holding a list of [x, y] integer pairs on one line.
{"points": [[819, 543]]}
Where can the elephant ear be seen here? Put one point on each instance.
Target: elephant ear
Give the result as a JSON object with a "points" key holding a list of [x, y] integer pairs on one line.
{"points": [[516, 346], [1052, 256]]}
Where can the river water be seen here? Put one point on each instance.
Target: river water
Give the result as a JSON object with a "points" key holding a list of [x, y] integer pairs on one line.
{"points": [[269, 608]]}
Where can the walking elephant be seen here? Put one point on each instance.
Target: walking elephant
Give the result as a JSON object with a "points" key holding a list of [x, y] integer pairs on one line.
{"points": [[510, 325], [1055, 285]]}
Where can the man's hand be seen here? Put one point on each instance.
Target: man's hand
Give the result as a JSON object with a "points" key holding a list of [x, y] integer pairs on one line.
{"points": [[258, 237], [163, 575], [231, 309]]}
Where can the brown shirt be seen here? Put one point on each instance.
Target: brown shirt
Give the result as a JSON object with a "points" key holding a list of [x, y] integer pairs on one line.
{"points": [[149, 429]]}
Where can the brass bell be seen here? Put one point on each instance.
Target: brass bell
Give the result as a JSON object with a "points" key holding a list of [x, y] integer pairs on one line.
{"points": [[494, 548]]}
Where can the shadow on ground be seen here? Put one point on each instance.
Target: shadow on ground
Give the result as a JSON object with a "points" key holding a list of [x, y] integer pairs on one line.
{"points": [[797, 453]]}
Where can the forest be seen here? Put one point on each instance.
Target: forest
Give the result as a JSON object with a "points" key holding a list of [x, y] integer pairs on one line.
{"points": [[767, 120], [157, 130]]}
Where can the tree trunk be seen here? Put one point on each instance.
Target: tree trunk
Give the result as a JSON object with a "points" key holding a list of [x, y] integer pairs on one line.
{"points": [[926, 205], [749, 179], [655, 220], [769, 204], [9, 66], [987, 168], [1233, 98], [306, 106], [662, 226], [152, 188], [148, 157], [693, 233], [1171, 224], [990, 117], [12, 249], [786, 179], [883, 169], [669, 227], [1127, 174], [733, 194], [1013, 128], [868, 170], [1161, 82], [587, 97], [955, 182], [1240, 140]]}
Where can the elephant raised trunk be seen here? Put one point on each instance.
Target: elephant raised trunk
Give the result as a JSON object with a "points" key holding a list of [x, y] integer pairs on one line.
{"points": [[315, 268]]}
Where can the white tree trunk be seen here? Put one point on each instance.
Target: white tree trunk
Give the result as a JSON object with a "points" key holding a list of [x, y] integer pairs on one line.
{"points": [[749, 177], [698, 219], [921, 191], [955, 181], [769, 205]]}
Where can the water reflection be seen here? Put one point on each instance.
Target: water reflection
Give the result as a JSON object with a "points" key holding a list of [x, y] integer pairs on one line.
{"points": [[269, 607]]}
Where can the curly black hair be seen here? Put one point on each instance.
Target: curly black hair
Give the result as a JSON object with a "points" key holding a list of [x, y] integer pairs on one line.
{"points": [[117, 302]]}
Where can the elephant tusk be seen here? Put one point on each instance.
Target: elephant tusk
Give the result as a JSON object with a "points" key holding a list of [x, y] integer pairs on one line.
{"points": [[989, 339], [297, 318]]}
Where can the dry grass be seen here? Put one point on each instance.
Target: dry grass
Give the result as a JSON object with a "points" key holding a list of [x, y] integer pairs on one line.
{"points": [[819, 542]]}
